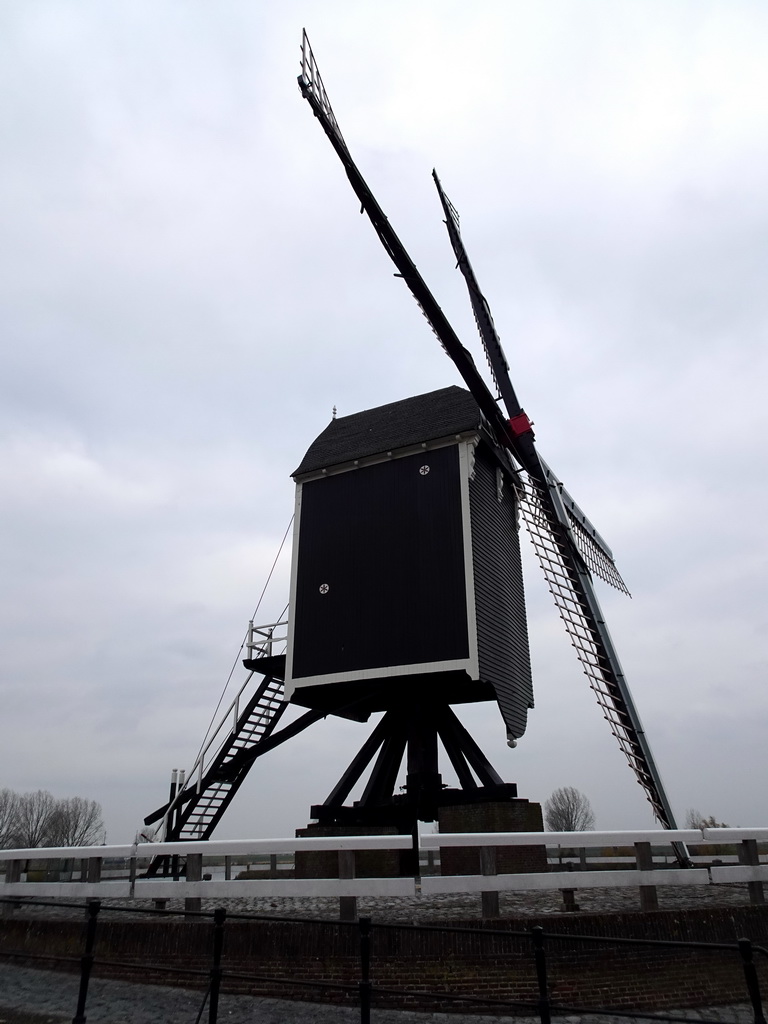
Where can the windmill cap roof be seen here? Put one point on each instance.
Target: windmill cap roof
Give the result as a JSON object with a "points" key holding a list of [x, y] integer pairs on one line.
{"points": [[440, 413]]}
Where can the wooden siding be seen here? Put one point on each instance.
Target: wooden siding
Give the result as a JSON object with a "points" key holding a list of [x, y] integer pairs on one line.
{"points": [[502, 631]]}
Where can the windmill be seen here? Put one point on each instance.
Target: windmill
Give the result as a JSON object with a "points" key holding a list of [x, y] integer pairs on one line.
{"points": [[454, 461]]}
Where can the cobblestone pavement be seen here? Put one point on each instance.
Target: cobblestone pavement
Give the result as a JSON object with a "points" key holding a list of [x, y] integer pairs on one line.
{"points": [[450, 906]]}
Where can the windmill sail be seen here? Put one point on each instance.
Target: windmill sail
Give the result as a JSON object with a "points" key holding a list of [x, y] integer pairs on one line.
{"points": [[564, 540], [485, 325], [552, 516], [593, 548], [314, 92]]}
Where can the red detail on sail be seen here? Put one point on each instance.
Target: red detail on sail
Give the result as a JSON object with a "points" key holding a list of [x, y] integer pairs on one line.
{"points": [[520, 424]]}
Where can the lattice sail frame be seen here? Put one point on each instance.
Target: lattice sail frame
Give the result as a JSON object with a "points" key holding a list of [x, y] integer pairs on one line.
{"points": [[481, 310], [569, 548], [593, 548], [595, 557], [312, 85], [590, 639]]}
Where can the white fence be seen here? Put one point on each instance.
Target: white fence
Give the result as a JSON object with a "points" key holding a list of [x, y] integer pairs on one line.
{"points": [[653, 856]]}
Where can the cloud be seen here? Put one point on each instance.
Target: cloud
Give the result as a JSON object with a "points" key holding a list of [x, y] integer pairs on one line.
{"points": [[187, 290]]}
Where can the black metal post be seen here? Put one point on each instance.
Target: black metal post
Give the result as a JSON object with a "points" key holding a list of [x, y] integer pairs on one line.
{"points": [[364, 924], [86, 960], [219, 917], [540, 960], [750, 976]]}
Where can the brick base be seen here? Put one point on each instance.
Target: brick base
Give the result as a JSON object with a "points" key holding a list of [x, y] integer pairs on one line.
{"points": [[504, 816], [368, 863]]}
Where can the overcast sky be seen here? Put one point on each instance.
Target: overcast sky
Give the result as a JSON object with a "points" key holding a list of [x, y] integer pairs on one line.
{"points": [[187, 289]]}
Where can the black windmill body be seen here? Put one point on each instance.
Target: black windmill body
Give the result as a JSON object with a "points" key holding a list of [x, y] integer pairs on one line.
{"points": [[406, 592], [407, 538]]}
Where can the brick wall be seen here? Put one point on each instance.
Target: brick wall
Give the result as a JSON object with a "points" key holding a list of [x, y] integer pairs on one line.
{"points": [[498, 968]]}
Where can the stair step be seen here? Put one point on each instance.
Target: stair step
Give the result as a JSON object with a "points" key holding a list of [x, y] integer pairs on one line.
{"points": [[249, 733]]}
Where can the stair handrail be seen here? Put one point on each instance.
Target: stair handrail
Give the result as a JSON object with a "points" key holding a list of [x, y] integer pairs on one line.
{"points": [[263, 646], [267, 631]]}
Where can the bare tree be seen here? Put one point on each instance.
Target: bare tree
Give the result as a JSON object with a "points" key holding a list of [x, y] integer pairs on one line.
{"points": [[76, 822], [695, 819], [568, 810], [32, 820], [8, 809], [31, 826]]}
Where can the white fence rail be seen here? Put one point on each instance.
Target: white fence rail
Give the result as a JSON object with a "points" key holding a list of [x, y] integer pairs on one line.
{"points": [[131, 862]]}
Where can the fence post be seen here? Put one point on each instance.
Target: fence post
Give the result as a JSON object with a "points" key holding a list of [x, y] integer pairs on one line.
{"points": [[92, 874], [748, 855], [12, 874], [13, 871], [86, 960], [750, 976], [489, 901], [219, 917], [193, 904], [540, 960], [569, 904], [364, 925], [347, 904], [649, 897]]}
